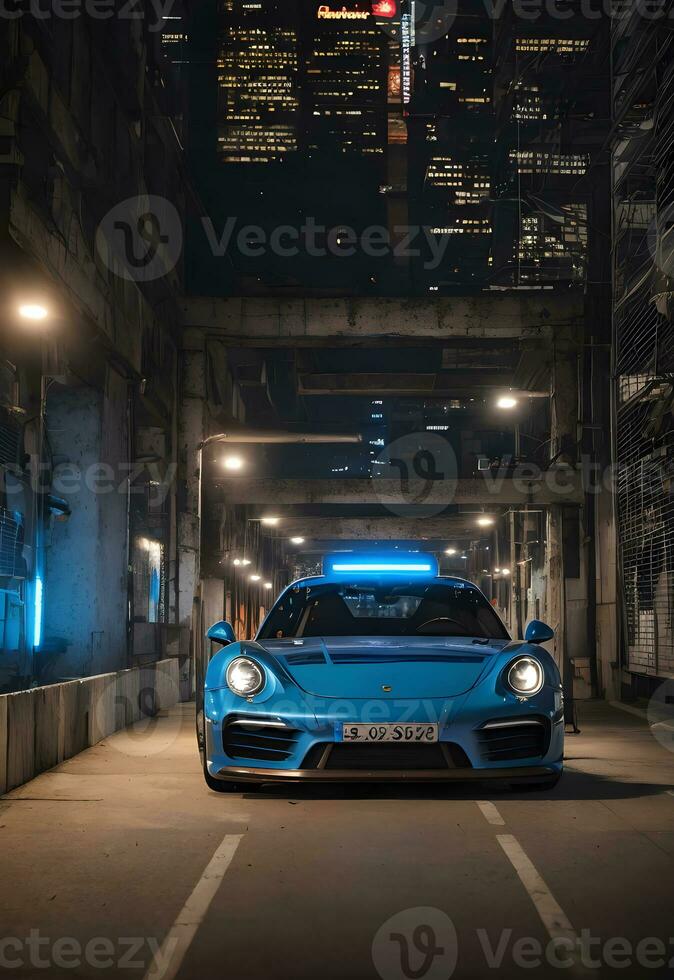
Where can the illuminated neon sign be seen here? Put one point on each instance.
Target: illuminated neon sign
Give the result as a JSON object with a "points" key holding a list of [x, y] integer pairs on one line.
{"points": [[406, 61], [400, 564], [384, 8], [327, 13]]}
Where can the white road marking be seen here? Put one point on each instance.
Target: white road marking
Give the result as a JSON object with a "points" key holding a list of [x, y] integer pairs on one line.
{"points": [[551, 914], [670, 792], [172, 953], [490, 813]]}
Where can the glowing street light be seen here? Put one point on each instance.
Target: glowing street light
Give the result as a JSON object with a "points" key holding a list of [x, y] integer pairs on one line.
{"points": [[33, 311], [270, 521], [485, 521], [297, 540], [268, 585], [505, 571], [450, 551], [507, 402], [255, 578], [233, 463]]}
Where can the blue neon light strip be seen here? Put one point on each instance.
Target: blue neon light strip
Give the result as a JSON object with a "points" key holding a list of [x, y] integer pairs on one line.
{"points": [[380, 567], [37, 625]]}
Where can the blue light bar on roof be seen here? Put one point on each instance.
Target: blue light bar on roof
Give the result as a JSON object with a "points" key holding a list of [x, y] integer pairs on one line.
{"points": [[399, 564]]}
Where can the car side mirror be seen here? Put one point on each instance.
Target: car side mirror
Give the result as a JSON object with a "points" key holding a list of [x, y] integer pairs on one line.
{"points": [[538, 632], [222, 633]]}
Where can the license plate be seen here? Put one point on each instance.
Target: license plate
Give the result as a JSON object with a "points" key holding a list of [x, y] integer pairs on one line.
{"points": [[389, 733]]}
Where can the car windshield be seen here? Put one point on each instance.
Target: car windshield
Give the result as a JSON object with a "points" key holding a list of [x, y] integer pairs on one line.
{"points": [[410, 609]]}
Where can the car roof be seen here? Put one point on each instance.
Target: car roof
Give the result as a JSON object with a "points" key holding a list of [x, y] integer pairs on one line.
{"points": [[356, 579]]}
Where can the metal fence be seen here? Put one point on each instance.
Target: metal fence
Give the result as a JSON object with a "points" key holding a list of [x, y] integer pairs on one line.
{"points": [[643, 197]]}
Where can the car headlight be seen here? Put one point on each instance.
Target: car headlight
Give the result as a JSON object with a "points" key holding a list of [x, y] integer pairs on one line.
{"points": [[245, 677], [525, 676]]}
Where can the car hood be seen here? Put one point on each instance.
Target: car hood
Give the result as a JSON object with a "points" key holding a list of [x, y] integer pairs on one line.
{"points": [[366, 667]]}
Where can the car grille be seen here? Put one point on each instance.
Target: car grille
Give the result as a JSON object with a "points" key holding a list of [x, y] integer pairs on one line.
{"points": [[243, 740], [386, 756], [508, 740]]}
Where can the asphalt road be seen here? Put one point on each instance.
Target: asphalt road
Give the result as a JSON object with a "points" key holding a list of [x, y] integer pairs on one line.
{"points": [[122, 863]]}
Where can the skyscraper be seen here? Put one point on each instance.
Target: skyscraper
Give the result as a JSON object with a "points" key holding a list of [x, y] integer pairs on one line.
{"points": [[345, 81], [552, 117], [451, 146], [258, 73]]}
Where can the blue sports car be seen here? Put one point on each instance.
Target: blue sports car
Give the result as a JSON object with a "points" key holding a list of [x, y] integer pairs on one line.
{"points": [[381, 670]]}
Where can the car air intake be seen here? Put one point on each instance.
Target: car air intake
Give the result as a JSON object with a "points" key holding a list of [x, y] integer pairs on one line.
{"points": [[510, 739], [440, 755], [251, 739]]}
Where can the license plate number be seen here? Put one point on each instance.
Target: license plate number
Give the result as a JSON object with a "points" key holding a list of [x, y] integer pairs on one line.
{"points": [[389, 733]]}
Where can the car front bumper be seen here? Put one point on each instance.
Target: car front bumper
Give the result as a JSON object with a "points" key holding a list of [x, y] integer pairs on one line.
{"points": [[257, 775], [309, 739]]}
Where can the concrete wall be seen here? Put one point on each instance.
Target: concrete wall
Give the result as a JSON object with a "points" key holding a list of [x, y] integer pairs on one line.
{"points": [[42, 727], [85, 588]]}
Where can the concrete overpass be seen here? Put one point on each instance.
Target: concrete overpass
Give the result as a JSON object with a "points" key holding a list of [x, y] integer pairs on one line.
{"points": [[558, 487], [267, 322]]}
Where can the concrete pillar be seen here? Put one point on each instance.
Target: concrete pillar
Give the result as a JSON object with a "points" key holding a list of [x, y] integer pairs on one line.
{"points": [[191, 432], [606, 581], [564, 397], [213, 596], [555, 604], [568, 555]]}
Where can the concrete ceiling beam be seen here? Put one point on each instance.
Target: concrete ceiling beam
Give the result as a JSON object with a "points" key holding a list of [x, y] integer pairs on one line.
{"points": [[369, 322], [492, 491]]}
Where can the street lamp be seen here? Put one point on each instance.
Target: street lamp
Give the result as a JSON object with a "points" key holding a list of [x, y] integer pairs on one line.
{"points": [[255, 578], [33, 311], [485, 521], [297, 540], [233, 463], [270, 521], [450, 551], [506, 402]]}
